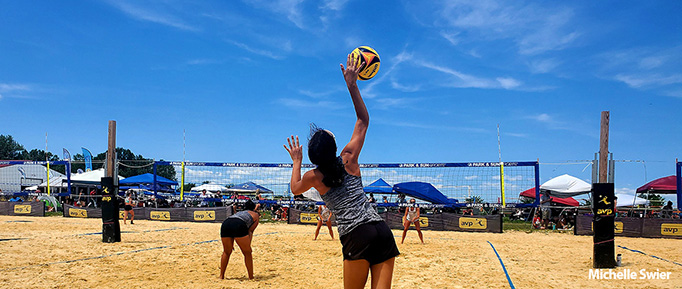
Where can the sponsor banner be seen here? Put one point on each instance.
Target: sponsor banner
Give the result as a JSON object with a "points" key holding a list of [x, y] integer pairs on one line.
{"points": [[473, 223], [204, 215], [634, 227], [671, 229], [160, 215], [436, 222], [22, 209], [215, 214], [36, 209], [310, 218], [77, 213]]}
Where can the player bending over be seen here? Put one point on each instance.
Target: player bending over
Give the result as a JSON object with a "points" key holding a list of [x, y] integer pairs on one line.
{"points": [[324, 215], [239, 228], [368, 243]]}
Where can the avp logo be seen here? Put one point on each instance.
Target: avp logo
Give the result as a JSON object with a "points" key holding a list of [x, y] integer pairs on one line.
{"points": [[473, 223], [78, 213], [604, 212], [159, 215], [22, 209], [204, 215], [310, 218], [671, 229]]}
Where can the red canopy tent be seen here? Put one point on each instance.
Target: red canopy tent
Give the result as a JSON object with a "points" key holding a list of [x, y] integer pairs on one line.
{"points": [[664, 185], [530, 193]]}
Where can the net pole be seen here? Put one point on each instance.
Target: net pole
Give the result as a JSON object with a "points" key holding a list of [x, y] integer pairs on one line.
{"points": [[499, 152], [182, 166], [48, 166], [182, 182]]}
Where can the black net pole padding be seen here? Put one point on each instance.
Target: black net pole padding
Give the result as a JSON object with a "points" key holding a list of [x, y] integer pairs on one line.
{"points": [[111, 229], [603, 208]]}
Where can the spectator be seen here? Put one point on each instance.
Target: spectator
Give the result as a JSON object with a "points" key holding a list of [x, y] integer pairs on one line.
{"points": [[204, 196], [401, 198], [385, 200], [545, 209], [371, 198], [537, 221], [667, 210]]}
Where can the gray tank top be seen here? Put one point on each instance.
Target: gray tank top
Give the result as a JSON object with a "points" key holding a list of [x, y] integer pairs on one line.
{"points": [[349, 203], [244, 216]]}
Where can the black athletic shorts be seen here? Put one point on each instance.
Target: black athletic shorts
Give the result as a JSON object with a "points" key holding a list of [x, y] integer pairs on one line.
{"points": [[373, 242], [233, 228], [128, 208]]}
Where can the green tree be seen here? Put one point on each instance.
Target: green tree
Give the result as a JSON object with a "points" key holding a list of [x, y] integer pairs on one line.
{"points": [[655, 200], [474, 200], [11, 149]]}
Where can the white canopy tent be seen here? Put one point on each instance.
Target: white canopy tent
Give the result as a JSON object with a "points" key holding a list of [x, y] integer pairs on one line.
{"points": [[565, 186], [210, 187], [91, 177], [627, 200]]}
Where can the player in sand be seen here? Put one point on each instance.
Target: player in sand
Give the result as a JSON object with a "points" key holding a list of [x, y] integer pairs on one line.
{"points": [[324, 215], [412, 217], [368, 243], [239, 228]]}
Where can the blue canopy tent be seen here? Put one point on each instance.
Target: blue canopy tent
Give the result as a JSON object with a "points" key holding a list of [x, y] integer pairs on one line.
{"points": [[424, 191], [379, 187], [146, 182], [249, 187], [147, 179]]}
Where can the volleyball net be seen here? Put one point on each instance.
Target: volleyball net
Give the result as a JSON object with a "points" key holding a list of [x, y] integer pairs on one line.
{"points": [[476, 183]]}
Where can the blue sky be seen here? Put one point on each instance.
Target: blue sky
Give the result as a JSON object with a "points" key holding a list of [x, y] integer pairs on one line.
{"points": [[240, 76]]}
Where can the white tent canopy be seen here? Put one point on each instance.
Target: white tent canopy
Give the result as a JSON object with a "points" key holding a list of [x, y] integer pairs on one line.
{"points": [[210, 187], [565, 186], [91, 177], [627, 200]]}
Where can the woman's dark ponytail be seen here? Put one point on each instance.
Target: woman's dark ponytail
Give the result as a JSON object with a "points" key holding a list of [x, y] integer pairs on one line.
{"points": [[322, 152]]}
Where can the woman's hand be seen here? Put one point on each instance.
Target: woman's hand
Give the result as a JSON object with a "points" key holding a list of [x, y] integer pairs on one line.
{"points": [[294, 149], [353, 68]]}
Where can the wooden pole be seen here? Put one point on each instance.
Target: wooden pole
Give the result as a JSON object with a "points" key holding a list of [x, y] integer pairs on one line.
{"points": [[111, 151], [604, 147]]}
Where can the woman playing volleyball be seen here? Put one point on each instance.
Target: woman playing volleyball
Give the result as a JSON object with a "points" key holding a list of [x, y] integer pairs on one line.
{"points": [[324, 215], [412, 217], [239, 228], [368, 243]]}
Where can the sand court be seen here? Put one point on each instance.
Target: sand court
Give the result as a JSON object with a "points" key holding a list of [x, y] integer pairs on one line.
{"points": [[57, 252]]}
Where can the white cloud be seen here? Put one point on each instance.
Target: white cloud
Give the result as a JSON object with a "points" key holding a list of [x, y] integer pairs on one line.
{"points": [[254, 50], [151, 14], [5, 87], [334, 4], [300, 103], [535, 29], [543, 65], [543, 117], [508, 83], [642, 80]]}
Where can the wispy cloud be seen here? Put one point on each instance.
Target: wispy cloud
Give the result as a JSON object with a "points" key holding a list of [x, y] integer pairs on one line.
{"points": [[657, 69], [648, 80], [262, 52], [300, 103], [13, 90], [533, 28], [151, 14]]}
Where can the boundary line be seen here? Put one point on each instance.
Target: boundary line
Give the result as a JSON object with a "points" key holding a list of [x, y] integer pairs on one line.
{"points": [[503, 268], [640, 252]]}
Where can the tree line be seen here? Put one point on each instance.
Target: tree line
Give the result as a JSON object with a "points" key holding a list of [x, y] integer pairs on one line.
{"points": [[130, 164]]}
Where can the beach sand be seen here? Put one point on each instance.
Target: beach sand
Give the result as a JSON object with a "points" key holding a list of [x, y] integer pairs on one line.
{"points": [[57, 252]]}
